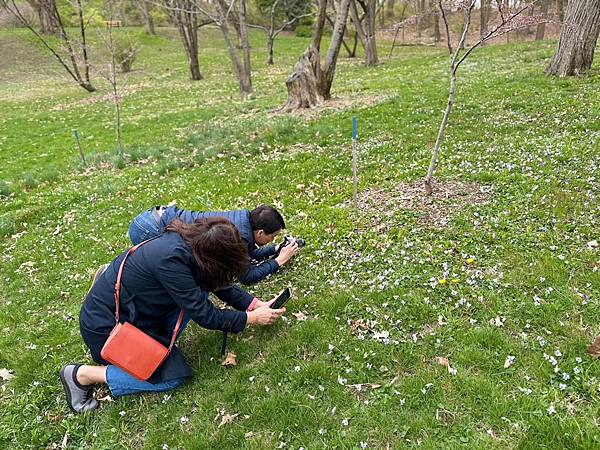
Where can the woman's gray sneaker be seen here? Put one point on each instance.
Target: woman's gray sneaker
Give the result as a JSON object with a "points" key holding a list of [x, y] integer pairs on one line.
{"points": [[80, 398]]}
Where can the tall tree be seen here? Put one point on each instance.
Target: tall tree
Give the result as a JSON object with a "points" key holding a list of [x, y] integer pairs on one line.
{"points": [[484, 10], [184, 15], [574, 52], [144, 10], [364, 23]]}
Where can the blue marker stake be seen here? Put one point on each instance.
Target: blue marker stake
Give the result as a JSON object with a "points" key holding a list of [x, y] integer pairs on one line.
{"points": [[354, 160]]}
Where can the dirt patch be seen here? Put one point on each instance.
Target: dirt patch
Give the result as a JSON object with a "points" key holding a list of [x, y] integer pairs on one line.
{"points": [[336, 104], [449, 197]]}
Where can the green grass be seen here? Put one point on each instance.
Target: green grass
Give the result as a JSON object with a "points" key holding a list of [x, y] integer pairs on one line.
{"points": [[533, 138]]}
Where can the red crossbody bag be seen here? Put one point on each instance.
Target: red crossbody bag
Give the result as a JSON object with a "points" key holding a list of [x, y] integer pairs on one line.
{"points": [[128, 347]]}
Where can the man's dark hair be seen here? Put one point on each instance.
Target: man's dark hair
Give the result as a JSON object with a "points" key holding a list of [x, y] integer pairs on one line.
{"points": [[266, 218], [217, 248]]}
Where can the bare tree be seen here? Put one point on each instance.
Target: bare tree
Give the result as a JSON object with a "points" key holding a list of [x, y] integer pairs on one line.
{"points": [[365, 27], [144, 9], [184, 14], [574, 52], [310, 82], [273, 32], [241, 66], [508, 22], [74, 59]]}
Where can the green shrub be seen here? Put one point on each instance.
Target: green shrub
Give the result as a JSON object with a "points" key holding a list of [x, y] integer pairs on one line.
{"points": [[5, 189], [7, 226], [304, 31], [125, 52], [29, 180]]}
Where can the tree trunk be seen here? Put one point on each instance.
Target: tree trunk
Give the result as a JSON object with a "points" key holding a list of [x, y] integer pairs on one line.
{"points": [[327, 72], [560, 5], [390, 8], [185, 18], [541, 28], [365, 29], [246, 74], [320, 25], [302, 83], [574, 53], [44, 10], [484, 17], [437, 35], [270, 42], [142, 6]]}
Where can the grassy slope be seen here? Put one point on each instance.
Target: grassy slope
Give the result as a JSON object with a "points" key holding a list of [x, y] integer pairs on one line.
{"points": [[535, 139]]}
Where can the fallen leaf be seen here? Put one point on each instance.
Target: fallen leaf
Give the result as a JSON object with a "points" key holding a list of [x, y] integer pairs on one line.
{"points": [[594, 348], [300, 316], [250, 434], [230, 360], [106, 398], [227, 418], [6, 374], [593, 245], [442, 361]]}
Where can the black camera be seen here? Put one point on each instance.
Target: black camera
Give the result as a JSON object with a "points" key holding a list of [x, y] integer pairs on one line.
{"points": [[288, 240]]}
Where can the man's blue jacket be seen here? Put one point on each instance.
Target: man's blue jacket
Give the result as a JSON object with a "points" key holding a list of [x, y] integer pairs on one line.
{"points": [[261, 266]]}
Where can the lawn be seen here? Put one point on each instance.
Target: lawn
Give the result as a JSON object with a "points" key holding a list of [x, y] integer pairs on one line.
{"points": [[508, 290]]}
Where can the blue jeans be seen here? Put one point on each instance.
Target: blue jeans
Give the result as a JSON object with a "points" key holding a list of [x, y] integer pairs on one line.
{"points": [[143, 227], [121, 383]]}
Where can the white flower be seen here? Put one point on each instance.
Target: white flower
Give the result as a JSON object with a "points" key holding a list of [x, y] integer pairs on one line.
{"points": [[345, 422], [578, 360], [342, 381], [296, 368], [551, 410], [509, 361], [562, 386], [363, 444], [566, 376], [184, 419], [576, 370], [122, 413], [322, 431], [251, 379], [557, 353]]}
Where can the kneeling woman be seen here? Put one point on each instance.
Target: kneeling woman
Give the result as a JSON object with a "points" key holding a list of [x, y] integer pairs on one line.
{"points": [[162, 277]]}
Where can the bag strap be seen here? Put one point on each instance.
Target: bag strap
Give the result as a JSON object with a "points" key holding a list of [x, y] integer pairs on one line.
{"points": [[118, 292]]}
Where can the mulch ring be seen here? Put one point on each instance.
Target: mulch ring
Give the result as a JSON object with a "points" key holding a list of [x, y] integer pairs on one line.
{"points": [[449, 197]]}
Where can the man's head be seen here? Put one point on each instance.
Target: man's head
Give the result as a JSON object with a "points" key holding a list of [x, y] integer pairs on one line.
{"points": [[266, 223]]}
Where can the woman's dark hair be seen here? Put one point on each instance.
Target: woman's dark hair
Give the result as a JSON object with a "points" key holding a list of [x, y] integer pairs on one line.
{"points": [[217, 247], [266, 218]]}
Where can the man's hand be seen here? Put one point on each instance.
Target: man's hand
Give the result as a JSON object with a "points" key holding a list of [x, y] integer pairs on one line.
{"points": [[287, 253], [264, 315]]}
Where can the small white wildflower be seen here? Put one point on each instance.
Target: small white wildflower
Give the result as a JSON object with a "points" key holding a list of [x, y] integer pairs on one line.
{"points": [[578, 360], [342, 381], [562, 386], [509, 361], [557, 353], [551, 410], [576, 370], [363, 445], [165, 447], [322, 431], [333, 410], [267, 388], [184, 419], [296, 368], [566, 376], [345, 422], [251, 379], [122, 413]]}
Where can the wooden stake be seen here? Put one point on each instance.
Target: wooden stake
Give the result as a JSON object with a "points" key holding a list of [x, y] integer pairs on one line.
{"points": [[354, 161]]}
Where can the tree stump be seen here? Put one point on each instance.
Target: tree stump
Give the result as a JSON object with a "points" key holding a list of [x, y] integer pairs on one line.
{"points": [[302, 83]]}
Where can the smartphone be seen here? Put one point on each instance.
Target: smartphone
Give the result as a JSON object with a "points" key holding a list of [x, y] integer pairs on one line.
{"points": [[282, 299]]}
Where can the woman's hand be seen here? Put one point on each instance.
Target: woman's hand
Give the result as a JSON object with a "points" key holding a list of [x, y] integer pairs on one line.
{"points": [[264, 315], [287, 253]]}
